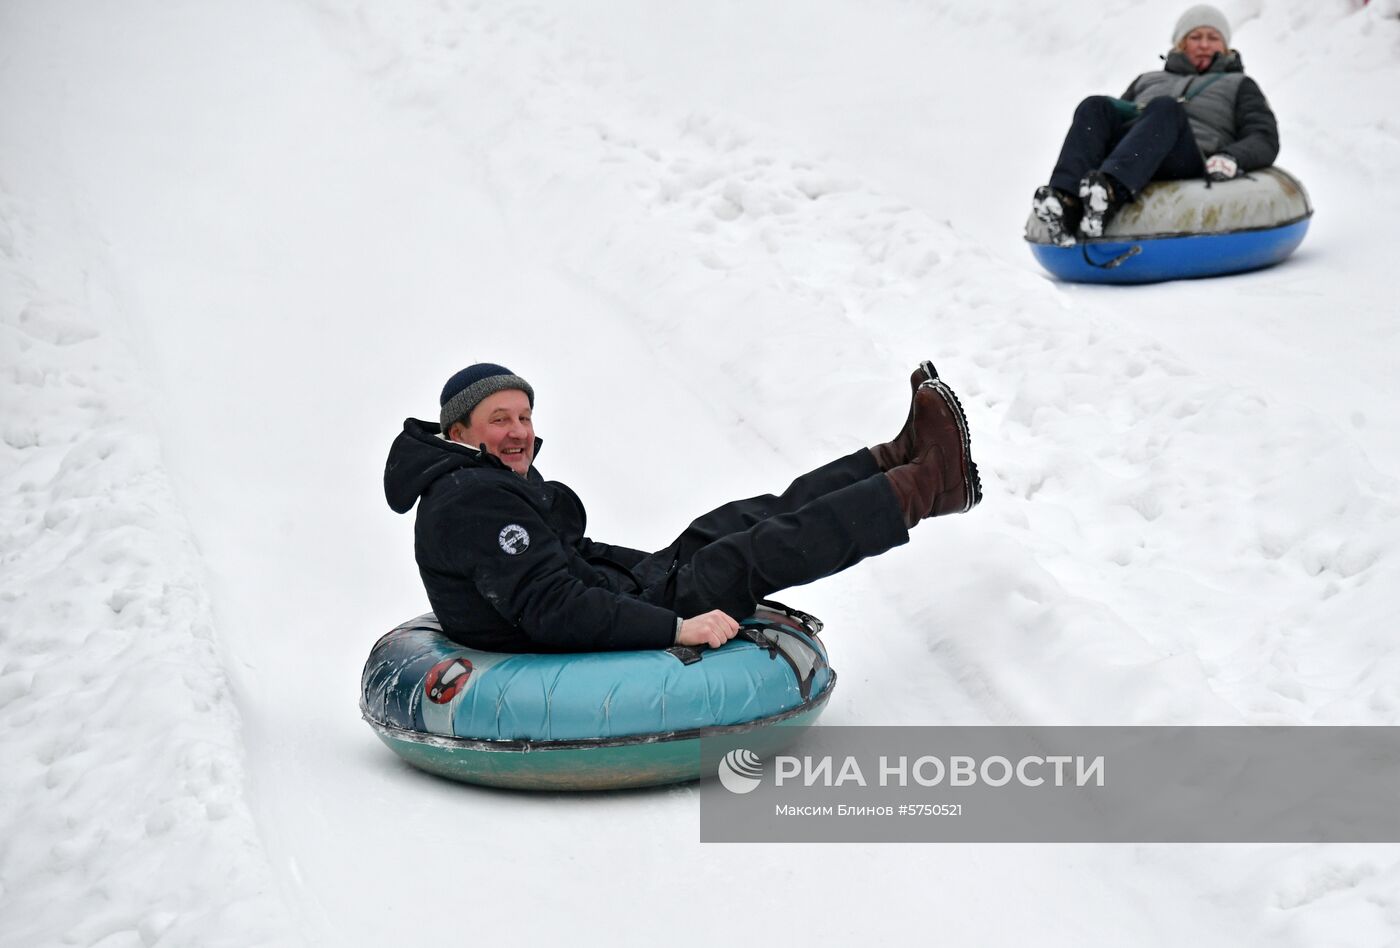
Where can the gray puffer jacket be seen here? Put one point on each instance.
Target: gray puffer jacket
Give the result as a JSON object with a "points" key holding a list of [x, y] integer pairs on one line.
{"points": [[1227, 111]]}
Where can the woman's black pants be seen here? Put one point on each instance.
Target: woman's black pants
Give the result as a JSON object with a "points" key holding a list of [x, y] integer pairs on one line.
{"points": [[1158, 145]]}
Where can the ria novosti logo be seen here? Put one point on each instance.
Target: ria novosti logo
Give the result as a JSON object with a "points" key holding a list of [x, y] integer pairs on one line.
{"points": [[740, 771]]}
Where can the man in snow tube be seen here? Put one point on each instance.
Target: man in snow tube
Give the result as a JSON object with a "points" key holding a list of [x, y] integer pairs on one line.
{"points": [[508, 568], [1200, 116]]}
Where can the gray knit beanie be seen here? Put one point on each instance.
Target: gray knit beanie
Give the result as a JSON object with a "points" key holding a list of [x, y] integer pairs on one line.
{"points": [[465, 390], [1202, 14]]}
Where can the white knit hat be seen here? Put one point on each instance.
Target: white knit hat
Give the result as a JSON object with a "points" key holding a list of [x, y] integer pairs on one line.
{"points": [[1202, 14]]}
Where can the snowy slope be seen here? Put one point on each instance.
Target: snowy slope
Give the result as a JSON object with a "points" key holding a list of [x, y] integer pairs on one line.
{"points": [[241, 241], [122, 795]]}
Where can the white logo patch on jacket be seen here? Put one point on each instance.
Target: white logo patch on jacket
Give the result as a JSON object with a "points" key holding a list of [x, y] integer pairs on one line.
{"points": [[514, 539]]}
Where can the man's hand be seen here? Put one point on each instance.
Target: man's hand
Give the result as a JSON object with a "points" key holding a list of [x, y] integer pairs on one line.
{"points": [[712, 628], [1221, 167]]}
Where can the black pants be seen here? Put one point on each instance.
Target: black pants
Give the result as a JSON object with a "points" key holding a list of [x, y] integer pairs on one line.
{"points": [[1156, 146], [735, 555]]}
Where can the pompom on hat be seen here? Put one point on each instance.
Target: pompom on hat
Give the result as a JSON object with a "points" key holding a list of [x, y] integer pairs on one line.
{"points": [[465, 390], [1202, 14]]}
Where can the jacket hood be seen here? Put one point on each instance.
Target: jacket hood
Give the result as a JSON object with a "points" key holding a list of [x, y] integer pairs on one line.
{"points": [[419, 456], [1228, 61]]}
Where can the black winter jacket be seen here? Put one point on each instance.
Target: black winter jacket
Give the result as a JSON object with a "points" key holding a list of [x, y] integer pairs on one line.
{"points": [[504, 558], [1229, 114]]}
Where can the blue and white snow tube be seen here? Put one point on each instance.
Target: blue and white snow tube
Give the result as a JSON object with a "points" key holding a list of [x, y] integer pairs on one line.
{"points": [[1184, 229], [592, 721]]}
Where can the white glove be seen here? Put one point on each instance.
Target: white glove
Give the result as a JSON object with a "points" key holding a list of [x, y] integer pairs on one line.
{"points": [[1221, 167]]}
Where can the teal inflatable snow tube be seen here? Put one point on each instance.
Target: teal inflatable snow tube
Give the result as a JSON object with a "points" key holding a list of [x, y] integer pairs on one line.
{"points": [[1187, 229], [591, 721]]}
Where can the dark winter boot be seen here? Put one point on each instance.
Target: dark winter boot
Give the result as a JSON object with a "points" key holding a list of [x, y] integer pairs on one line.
{"points": [[1059, 212], [1102, 196], [892, 454]]}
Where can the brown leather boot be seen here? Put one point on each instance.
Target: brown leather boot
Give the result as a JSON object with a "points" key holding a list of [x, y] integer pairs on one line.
{"points": [[937, 425], [917, 486], [922, 490], [899, 451], [941, 442], [939, 422]]}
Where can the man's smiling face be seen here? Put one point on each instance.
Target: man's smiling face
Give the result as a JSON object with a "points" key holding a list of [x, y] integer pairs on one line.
{"points": [[502, 423]]}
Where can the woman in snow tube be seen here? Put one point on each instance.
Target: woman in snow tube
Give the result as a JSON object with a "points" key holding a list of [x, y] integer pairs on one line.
{"points": [[1185, 229], [1198, 117]]}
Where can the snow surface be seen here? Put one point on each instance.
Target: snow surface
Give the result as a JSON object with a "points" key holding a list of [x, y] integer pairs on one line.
{"points": [[239, 242]]}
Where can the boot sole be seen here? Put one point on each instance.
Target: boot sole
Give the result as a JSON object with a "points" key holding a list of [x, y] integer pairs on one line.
{"points": [[1095, 217], [1054, 221], [971, 476]]}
